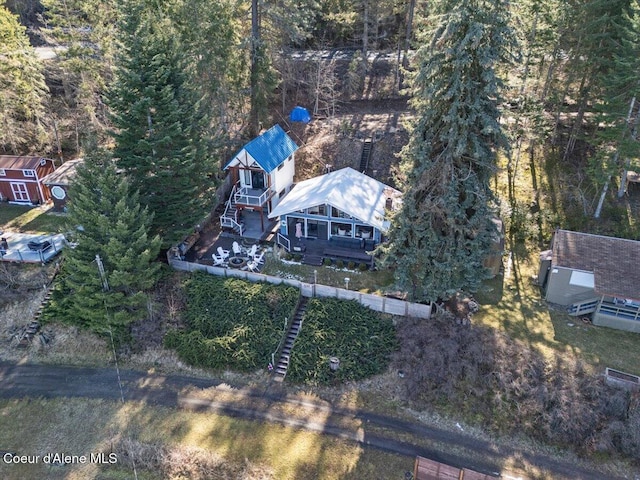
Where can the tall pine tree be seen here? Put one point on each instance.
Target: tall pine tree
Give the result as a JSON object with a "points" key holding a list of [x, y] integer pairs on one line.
{"points": [[442, 234], [87, 29], [160, 131], [109, 222], [22, 88]]}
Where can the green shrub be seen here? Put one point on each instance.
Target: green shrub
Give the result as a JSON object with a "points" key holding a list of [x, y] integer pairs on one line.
{"points": [[363, 267], [231, 323], [339, 264], [288, 256], [297, 257], [326, 262], [361, 338], [351, 265]]}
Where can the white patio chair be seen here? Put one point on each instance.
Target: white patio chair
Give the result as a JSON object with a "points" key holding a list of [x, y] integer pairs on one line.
{"points": [[251, 265], [252, 251], [237, 249], [217, 260], [258, 259], [223, 253]]}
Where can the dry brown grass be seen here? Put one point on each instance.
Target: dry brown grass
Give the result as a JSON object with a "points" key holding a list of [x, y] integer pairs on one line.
{"points": [[177, 462], [22, 289], [174, 444]]}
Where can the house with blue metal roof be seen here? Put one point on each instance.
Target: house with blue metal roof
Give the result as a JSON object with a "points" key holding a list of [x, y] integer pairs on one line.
{"points": [[262, 174]]}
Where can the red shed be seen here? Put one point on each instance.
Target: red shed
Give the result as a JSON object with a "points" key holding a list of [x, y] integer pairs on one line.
{"points": [[21, 179]]}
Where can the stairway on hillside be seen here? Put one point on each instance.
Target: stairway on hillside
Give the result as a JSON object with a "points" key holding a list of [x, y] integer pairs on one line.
{"points": [[367, 148], [292, 334]]}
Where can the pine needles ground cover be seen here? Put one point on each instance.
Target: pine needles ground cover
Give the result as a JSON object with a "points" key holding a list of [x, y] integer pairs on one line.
{"points": [[231, 323]]}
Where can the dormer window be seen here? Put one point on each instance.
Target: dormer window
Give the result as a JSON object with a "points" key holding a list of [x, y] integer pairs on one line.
{"points": [[29, 173], [3, 173]]}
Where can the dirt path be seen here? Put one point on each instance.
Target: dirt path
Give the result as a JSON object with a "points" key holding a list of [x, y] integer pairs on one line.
{"points": [[18, 381]]}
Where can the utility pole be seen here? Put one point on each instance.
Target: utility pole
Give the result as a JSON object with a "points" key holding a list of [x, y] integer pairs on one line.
{"points": [[103, 275]]}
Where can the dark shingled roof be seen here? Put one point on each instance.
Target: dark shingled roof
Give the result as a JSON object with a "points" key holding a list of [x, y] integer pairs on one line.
{"points": [[615, 262]]}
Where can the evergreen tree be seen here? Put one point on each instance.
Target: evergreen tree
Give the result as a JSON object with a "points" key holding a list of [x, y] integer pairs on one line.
{"points": [[211, 38], [618, 96], [440, 237], [108, 222], [22, 88], [160, 126], [87, 30]]}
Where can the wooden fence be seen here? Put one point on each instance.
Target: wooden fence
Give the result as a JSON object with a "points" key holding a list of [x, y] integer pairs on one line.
{"points": [[374, 302]]}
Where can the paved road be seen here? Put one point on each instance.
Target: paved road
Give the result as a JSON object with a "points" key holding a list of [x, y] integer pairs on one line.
{"points": [[48, 381]]}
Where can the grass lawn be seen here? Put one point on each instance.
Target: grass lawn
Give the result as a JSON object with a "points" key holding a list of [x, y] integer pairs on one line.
{"points": [[192, 445], [366, 282], [514, 303], [31, 219]]}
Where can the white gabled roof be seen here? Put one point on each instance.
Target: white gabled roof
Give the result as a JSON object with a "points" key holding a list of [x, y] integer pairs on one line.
{"points": [[352, 192]]}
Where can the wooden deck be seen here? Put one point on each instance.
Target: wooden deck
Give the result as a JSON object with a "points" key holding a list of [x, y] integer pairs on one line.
{"points": [[20, 252], [314, 251]]}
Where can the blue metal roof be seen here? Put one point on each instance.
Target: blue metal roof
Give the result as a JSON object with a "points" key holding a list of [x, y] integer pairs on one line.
{"points": [[269, 149]]}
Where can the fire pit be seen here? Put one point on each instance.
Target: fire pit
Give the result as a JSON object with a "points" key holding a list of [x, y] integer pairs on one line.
{"points": [[237, 262]]}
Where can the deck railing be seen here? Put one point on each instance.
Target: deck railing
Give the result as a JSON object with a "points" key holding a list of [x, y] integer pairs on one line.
{"points": [[242, 196], [619, 310], [583, 308], [226, 220], [27, 255], [283, 242]]}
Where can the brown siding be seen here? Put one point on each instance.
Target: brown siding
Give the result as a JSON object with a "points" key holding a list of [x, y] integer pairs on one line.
{"points": [[14, 175]]}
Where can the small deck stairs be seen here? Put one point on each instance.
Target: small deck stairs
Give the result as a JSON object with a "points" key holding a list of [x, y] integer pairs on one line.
{"points": [[230, 217], [310, 259], [583, 308], [232, 213], [292, 334]]}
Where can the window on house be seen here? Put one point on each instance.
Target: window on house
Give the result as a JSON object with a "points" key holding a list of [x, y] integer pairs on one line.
{"points": [[341, 229], [338, 213], [318, 210], [280, 166], [364, 232], [29, 173], [282, 192], [3, 173]]}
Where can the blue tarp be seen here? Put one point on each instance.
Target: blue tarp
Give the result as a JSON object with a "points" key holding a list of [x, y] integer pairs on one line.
{"points": [[300, 114]]}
